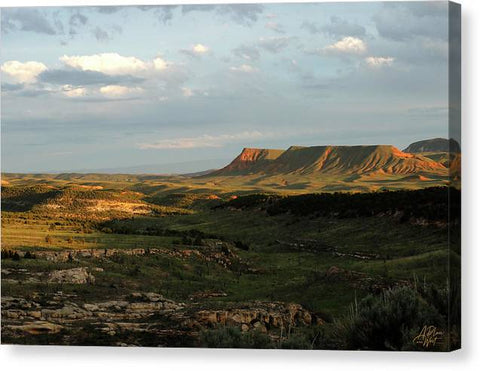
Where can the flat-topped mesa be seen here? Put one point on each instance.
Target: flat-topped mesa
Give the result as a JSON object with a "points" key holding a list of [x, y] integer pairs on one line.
{"points": [[352, 160], [385, 159], [434, 145]]}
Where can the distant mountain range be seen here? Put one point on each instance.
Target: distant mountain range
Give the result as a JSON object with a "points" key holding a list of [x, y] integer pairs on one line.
{"points": [[362, 168], [432, 157], [434, 145], [331, 160]]}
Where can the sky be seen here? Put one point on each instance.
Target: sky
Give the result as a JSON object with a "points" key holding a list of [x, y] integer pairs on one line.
{"points": [[87, 88]]}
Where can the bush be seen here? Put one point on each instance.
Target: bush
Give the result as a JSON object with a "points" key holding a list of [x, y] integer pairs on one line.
{"points": [[388, 321], [29, 255], [134, 271], [297, 341], [232, 337], [10, 254], [241, 245]]}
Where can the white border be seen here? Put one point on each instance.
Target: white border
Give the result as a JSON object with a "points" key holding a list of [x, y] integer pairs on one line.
{"points": [[35, 358]]}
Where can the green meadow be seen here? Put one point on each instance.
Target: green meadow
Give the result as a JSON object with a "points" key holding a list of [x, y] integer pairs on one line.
{"points": [[325, 263]]}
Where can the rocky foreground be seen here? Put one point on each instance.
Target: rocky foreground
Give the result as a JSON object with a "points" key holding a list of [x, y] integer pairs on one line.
{"points": [[52, 316], [162, 320]]}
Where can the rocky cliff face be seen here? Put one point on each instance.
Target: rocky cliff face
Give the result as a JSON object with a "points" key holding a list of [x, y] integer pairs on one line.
{"points": [[348, 160], [250, 160]]}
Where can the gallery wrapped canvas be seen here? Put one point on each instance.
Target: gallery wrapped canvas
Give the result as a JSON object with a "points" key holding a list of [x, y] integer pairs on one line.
{"points": [[282, 176]]}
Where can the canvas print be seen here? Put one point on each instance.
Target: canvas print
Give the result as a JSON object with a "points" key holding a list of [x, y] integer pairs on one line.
{"points": [[267, 176]]}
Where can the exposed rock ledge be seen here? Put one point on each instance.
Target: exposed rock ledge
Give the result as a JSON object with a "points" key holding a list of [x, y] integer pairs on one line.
{"points": [[140, 311]]}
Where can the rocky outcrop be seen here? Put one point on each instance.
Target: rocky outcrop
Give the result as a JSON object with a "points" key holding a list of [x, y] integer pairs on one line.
{"points": [[258, 316], [147, 313], [80, 275], [74, 275], [135, 318], [223, 256], [37, 328], [63, 310]]}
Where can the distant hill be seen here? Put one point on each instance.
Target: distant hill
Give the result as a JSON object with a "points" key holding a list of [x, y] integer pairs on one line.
{"points": [[250, 160], [81, 201], [199, 173], [333, 160], [434, 145], [296, 170], [188, 168]]}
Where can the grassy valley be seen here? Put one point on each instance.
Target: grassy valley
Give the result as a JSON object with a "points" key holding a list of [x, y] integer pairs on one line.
{"points": [[254, 254]]}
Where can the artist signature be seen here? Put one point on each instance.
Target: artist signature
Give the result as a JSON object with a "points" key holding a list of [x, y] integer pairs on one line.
{"points": [[428, 337]]}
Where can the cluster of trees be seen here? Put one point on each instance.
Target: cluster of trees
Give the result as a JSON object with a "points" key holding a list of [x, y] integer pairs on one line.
{"points": [[433, 204], [132, 226], [254, 200]]}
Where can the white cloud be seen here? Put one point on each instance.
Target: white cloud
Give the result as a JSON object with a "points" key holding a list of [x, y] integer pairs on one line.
{"points": [[23, 72], [377, 62], [200, 49], [107, 63], [73, 92], [160, 63], [201, 141], [118, 90], [349, 44], [244, 68], [114, 63], [196, 50]]}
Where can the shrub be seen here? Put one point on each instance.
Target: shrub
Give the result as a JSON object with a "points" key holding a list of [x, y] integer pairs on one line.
{"points": [[134, 271], [296, 341], [10, 254], [198, 241], [232, 337], [241, 245], [29, 255], [388, 321]]}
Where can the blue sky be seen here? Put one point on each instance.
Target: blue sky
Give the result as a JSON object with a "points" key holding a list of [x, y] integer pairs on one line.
{"points": [[95, 88]]}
